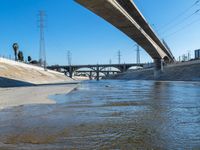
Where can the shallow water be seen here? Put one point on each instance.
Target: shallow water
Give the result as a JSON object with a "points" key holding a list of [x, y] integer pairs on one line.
{"points": [[109, 115]]}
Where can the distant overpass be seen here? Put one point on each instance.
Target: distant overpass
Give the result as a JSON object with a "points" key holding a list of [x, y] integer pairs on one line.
{"points": [[98, 68], [125, 16]]}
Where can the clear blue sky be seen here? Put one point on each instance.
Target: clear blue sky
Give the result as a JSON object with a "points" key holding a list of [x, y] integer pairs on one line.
{"points": [[90, 39]]}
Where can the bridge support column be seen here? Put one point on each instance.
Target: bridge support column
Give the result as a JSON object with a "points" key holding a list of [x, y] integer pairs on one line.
{"points": [[108, 73], [124, 68], [90, 75], [97, 72], [70, 72], [158, 68]]}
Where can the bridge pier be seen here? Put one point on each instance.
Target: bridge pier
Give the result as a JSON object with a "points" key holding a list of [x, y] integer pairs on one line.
{"points": [[70, 72], [124, 68], [90, 75], [108, 74], [158, 68], [97, 72]]}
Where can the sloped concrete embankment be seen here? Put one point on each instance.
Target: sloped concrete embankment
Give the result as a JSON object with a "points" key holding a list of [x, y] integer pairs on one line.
{"points": [[188, 71], [14, 74]]}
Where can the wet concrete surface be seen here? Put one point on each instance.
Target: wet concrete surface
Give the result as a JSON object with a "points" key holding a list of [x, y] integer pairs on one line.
{"points": [[109, 115]]}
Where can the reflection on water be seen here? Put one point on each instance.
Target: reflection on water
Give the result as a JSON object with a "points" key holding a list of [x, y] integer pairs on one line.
{"points": [[109, 115]]}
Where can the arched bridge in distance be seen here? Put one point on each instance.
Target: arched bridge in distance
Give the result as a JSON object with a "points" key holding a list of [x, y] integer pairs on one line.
{"points": [[91, 74], [98, 68], [124, 15]]}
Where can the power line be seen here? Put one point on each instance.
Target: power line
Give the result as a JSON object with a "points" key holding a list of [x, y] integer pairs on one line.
{"points": [[186, 26], [181, 21], [196, 2], [181, 14]]}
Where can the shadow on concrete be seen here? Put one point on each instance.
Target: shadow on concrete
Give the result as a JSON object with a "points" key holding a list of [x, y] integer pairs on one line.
{"points": [[6, 82], [62, 83]]}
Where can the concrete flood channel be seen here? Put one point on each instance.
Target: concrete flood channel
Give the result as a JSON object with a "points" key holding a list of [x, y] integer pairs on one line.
{"points": [[109, 115]]}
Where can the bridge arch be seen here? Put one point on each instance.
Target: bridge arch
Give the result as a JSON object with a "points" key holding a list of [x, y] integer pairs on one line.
{"points": [[78, 69], [134, 67], [118, 68], [88, 74]]}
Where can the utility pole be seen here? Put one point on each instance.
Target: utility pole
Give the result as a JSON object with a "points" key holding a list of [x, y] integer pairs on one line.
{"points": [[110, 62], [42, 53], [119, 57], [138, 55], [69, 58], [189, 55]]}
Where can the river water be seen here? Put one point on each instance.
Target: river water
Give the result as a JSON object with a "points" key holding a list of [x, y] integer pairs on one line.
{"points": [[138, 115]]}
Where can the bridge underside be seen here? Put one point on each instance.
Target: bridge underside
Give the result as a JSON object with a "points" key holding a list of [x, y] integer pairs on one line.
{"points": [[125, 16]]}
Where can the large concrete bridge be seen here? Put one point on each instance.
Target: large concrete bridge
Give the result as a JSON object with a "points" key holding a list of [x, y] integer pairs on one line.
{"points": [[98, 68], [125, 16]]}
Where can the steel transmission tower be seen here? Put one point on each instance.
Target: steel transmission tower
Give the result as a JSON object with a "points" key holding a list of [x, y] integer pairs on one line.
{"points": [[69, 58], [138, 55], [110, 62], [119, 57], [42, 53]]}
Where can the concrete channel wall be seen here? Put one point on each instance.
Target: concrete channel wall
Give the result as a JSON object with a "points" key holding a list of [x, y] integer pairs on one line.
{"points": [[14, 73], [186, 71]]}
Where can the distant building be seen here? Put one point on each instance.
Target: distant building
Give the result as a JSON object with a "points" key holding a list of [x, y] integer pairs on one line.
{"points": [[197, 53]]}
